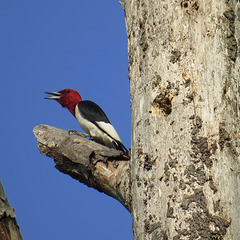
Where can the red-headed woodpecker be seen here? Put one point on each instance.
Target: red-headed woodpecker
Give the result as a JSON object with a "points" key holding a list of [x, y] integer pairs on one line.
{"points": [[90, 116]]}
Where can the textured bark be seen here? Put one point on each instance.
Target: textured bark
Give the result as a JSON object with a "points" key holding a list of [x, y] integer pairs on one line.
{"points": [[9, 229], [184, 77], [95, 165]]}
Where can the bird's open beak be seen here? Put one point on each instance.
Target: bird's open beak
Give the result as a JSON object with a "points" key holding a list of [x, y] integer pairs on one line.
{"points": [[55, 96]]}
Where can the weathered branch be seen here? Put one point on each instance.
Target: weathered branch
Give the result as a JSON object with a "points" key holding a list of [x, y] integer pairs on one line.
{"points": [[8, 224], [95, 165]]}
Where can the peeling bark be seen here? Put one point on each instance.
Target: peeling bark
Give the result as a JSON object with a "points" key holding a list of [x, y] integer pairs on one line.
{"points": [[9, 229], [95, 165], [184, 78]]}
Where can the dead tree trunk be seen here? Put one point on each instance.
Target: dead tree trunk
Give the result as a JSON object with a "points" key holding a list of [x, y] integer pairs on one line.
{"points": [[184, 76], [9, 229], [182, 181]]}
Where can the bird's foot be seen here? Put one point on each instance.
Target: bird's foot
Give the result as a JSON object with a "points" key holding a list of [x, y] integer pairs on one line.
{"points": [[75, 132]]}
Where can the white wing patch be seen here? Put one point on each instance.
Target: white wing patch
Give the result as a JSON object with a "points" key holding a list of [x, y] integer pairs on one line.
{"points": [[109, 129]]}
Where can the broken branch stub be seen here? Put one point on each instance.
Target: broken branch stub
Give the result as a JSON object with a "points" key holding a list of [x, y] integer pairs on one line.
{"points": [[95, 165]]}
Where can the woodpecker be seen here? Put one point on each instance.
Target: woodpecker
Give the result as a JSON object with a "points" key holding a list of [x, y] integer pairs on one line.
{"points": [[90, 116]]}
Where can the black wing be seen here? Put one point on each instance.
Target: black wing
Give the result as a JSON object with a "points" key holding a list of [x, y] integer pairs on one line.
{"points": [[92, 112]]}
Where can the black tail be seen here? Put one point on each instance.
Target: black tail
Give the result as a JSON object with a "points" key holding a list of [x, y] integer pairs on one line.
{"points": [[120, 146]]}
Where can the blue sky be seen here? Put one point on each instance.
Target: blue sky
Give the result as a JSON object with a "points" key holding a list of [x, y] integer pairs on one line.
{"points": [[50, 45]]}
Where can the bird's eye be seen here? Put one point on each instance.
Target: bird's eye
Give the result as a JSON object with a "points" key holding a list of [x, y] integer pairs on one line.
{"points": [[67, 91]]}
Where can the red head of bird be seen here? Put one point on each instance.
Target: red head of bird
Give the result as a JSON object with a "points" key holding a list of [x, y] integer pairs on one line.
{"points": [[68, 98]]}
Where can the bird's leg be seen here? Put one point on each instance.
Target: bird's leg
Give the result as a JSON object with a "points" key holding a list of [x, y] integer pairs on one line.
{"points": [[75, 132]]}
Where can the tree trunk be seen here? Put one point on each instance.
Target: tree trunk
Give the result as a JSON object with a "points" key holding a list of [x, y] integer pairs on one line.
{"points": [[9, 229], [184, 76]]}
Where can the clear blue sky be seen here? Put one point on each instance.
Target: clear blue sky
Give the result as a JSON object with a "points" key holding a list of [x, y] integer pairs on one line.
{"points": [[49, 45]]}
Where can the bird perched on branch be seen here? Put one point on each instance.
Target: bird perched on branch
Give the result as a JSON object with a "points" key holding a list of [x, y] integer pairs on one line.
{"points": [[90, 116]]}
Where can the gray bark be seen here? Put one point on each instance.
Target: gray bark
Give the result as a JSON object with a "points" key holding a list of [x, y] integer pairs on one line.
{"points": [[9, 229], [184, 77]]}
